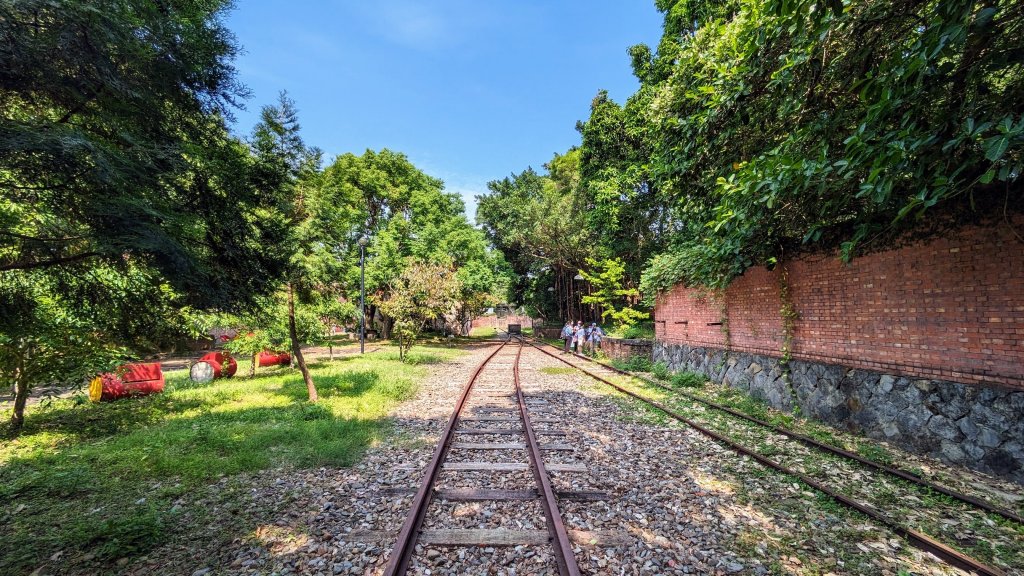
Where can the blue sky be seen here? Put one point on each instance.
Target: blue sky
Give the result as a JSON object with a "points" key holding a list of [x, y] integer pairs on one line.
{"points": [[471, 91]]}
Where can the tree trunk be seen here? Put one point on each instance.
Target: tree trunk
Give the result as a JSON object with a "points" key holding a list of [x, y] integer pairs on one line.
{"points": [[368, 322], [20, 398], [293, 334], [252, 368]]}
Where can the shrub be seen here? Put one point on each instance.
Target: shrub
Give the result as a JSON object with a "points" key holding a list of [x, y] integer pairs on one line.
{"points": [[633, 364], [688, 380], [660, 371], [643, 331]]}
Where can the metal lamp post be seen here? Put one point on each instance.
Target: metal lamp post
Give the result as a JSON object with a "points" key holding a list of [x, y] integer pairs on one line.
{"points": [[362, 293]]}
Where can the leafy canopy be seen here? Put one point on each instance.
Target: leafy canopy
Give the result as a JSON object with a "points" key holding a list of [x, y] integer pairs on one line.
{"points": [[796, 125]]}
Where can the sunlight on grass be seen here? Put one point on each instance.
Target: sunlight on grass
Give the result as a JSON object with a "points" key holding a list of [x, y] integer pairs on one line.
{"points": [[555, 370], [91, 461]]}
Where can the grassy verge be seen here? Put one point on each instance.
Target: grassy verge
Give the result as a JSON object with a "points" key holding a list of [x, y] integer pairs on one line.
{"points": [[986, 537], [102, 479], [483, 333]]}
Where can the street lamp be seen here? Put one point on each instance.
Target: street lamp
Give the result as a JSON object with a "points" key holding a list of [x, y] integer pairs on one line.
{"points": [[362, 293]]}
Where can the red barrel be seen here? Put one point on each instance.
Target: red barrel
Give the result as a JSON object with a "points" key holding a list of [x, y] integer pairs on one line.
{"points": [[127, 380], [268, 358], [223, 365]]}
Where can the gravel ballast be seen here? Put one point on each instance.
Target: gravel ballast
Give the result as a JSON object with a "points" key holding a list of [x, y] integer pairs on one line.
{"points": [[671, 501]]}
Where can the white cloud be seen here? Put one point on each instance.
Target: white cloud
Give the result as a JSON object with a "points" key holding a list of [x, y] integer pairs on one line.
{"points": [[424, 25]]}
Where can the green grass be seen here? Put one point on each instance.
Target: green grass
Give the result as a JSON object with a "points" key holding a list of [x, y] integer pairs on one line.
{"points": [[555, 370], [633, 364], [483, 332], [75, 478]]}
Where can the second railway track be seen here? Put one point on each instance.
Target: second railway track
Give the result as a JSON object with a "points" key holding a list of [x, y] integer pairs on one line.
{"points": [[876, 511]]}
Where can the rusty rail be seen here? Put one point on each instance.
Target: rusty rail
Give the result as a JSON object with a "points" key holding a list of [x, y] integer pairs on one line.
{"points": [[891, 470], [404, 548], [922, 541], [556, 528]]}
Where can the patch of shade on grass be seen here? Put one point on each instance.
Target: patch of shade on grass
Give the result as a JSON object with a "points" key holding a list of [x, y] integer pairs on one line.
{"points": [[101, 479]]}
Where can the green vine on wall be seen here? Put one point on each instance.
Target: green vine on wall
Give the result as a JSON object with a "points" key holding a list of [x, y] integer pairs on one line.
{"points": [[723, 316], [789, 317]]}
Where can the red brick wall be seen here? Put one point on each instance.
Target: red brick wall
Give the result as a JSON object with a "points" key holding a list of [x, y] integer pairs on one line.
{"points": [[950, 309]]}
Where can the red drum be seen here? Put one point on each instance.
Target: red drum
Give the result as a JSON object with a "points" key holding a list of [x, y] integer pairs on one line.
{"points": [[268, 358], [127, 380], [224, 366]]}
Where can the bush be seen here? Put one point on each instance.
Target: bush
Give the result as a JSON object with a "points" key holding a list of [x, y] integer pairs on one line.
{"points": [[660, 371], [633, 364], [688, 380]]}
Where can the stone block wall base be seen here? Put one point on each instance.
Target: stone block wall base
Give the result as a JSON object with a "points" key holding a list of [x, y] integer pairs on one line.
{"points": [[623, 349], [980, 427]]}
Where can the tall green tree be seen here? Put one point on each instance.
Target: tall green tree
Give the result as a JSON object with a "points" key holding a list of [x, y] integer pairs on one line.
{"points": [[407, 216], [616, 189], [285, 160], [112, 143], [125, 199], [537, 223]]}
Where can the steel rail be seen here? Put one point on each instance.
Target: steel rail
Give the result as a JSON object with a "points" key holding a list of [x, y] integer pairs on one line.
{"points": [[922, 541], [897, 472], [405, 546], [565, 557]]}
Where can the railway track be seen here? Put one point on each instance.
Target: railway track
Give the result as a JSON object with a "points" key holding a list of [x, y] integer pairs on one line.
{"points": [[491, 398], [919, 539], [492, 415], [893, 471]]}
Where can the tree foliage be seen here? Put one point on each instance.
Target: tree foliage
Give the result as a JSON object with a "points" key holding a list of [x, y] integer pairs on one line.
{"points": [[113, 143], [607, 279], [763, 129], [423, 291], [126, 203], [782, 126], [406, 216]]}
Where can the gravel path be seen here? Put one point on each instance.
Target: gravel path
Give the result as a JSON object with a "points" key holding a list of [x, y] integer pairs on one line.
{"points": [[677, 503]]}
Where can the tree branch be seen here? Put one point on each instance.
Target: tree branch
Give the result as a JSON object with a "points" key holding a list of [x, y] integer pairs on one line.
{"points": [[46, 263], [40, 238]]}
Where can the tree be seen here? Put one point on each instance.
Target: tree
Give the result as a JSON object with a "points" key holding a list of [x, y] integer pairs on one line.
{"points": [[607, 278], [616, 190], [284, 161], [405, 214], [126, 203], [112, 143], [422, 292], [540, 228]]}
